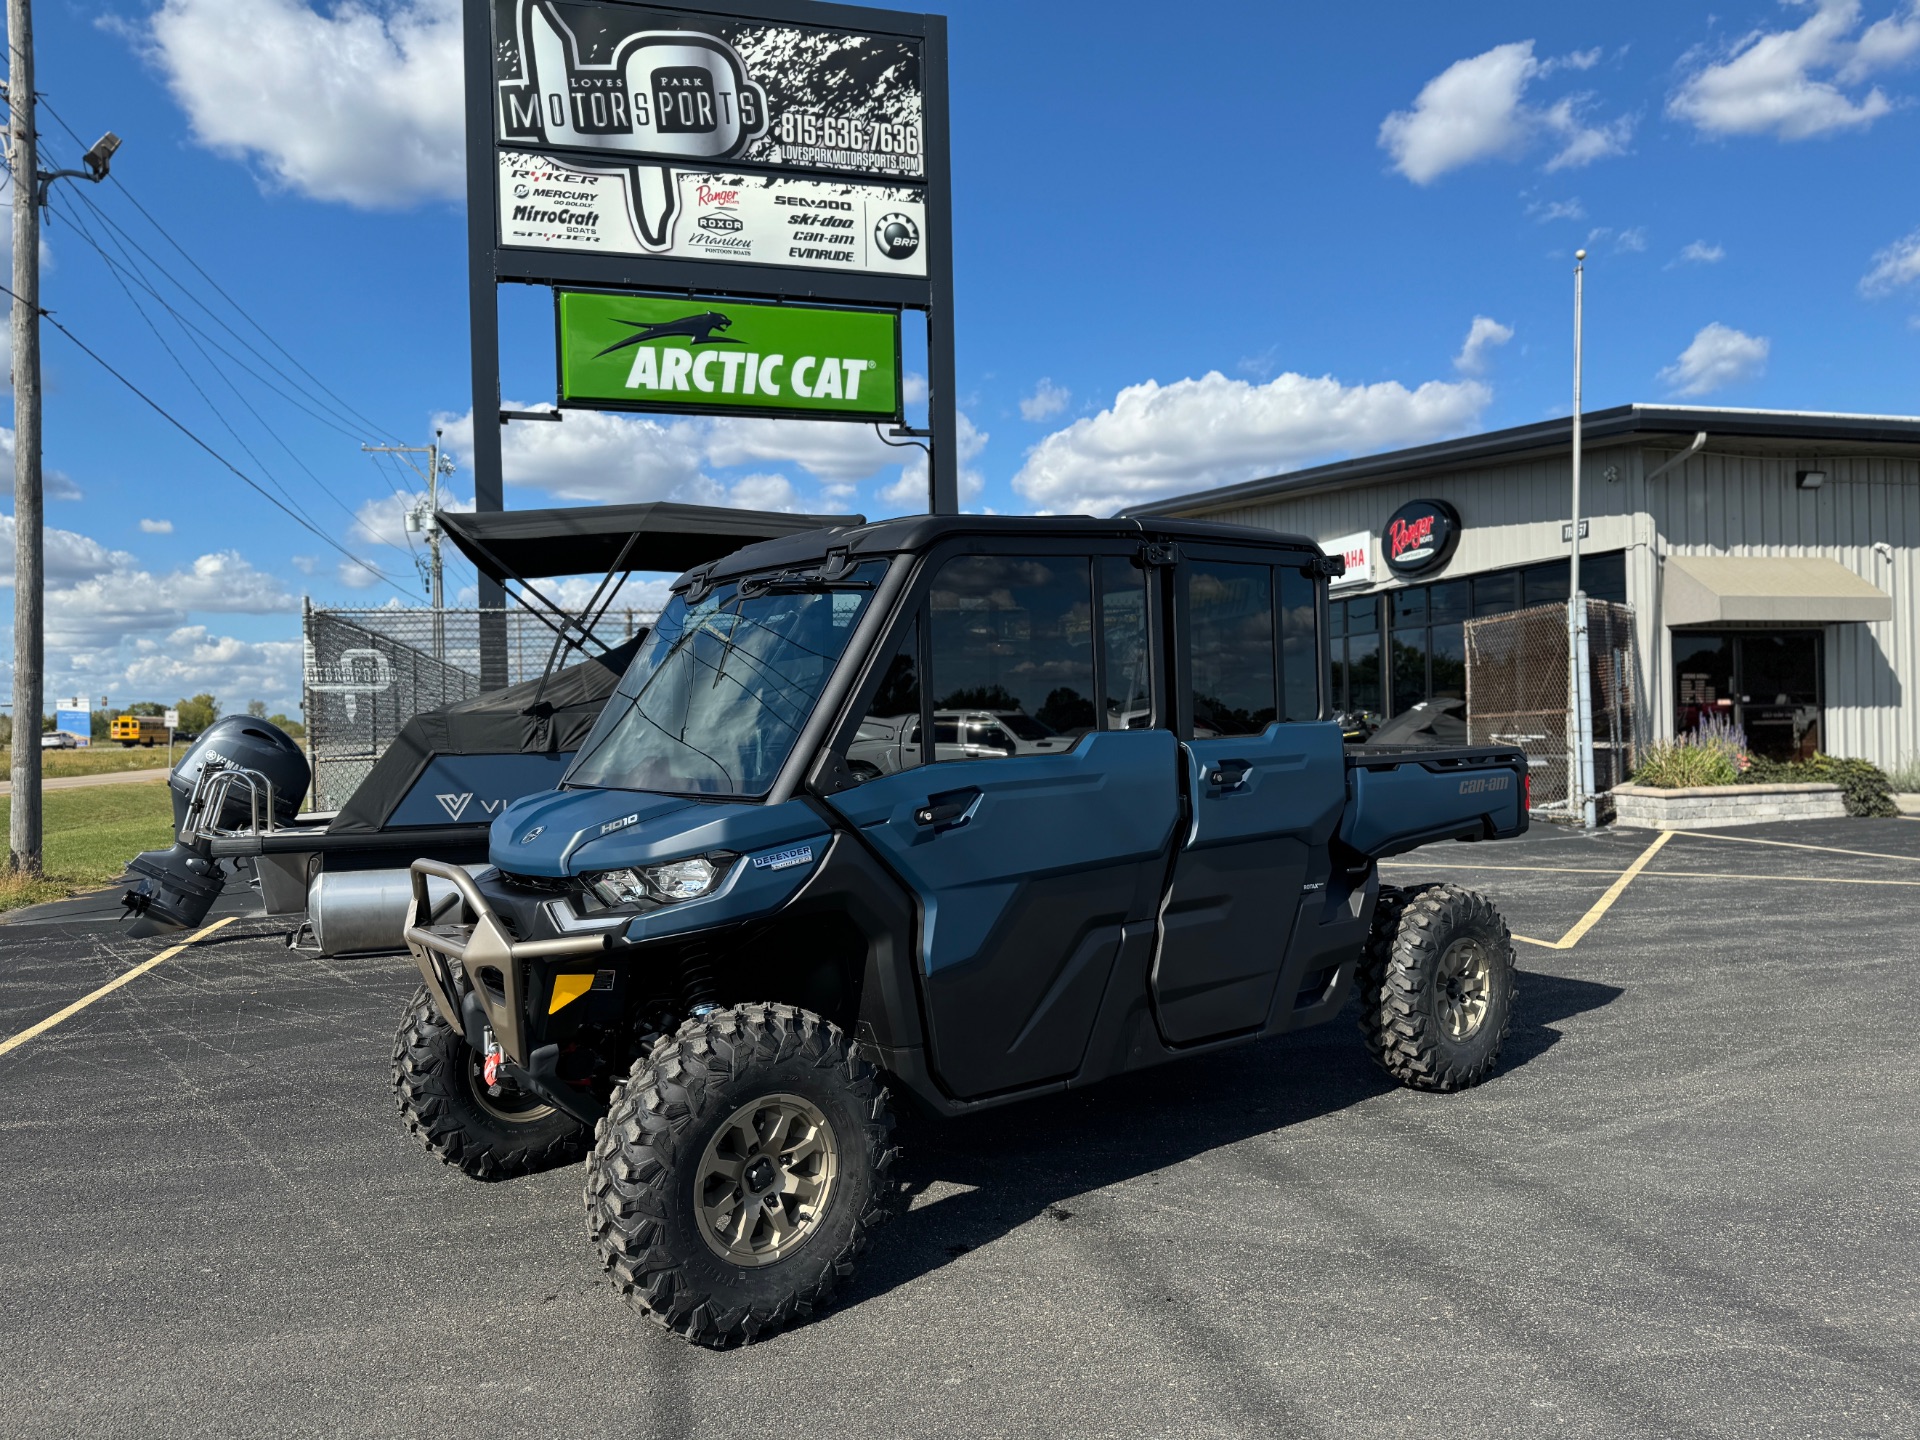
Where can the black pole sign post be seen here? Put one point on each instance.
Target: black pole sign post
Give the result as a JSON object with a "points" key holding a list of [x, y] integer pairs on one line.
{"points": [[776, 150]]}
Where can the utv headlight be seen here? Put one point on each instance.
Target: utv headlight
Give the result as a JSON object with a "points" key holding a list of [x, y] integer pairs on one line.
{"points": [[673, 881]]}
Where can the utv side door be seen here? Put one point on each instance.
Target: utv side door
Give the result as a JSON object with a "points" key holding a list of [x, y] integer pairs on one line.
{"points": [[1265, 777], [1026, 867]]}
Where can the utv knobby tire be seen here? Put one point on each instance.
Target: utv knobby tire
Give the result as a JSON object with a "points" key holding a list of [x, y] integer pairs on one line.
{"points": [[642, 1176], [1403, 986], [441, 1098]]}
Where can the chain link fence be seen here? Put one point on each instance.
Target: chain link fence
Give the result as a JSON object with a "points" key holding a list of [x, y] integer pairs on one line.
{"points": [[368, 672], [1517, 680]]}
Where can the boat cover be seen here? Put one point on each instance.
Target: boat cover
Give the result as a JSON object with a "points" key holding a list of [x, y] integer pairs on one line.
{"points": [[465, 762]]}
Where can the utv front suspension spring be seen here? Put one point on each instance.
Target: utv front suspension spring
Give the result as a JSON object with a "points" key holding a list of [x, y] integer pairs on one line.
{"points": [[697, 982]]}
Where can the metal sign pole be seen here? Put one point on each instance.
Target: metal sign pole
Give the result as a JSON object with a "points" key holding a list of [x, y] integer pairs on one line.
{"points": [[943, 471], [1580, 671], [483, 319]]}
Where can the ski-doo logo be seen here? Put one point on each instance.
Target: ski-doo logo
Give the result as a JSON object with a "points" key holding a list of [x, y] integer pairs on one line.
{"points": [[455, 805], [622, 823]]}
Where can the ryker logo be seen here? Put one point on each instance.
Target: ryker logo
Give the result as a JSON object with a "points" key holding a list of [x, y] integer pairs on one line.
{"points": [[455, 805]]}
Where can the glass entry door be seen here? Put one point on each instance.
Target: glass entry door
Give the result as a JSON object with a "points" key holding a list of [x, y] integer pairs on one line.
{"points": [[1765, 681]]}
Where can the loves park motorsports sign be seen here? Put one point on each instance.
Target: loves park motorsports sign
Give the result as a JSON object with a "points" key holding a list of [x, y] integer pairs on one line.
{"points": [[638, 352]]}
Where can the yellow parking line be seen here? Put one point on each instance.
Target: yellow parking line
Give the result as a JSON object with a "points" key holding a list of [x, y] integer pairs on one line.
{"points": [[1771, 879], [1605, 902], [1520, 869], [1790, 845], [108, 988]]}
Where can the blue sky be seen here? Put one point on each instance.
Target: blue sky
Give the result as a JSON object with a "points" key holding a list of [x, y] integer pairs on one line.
{"points": [[1189, 252]]}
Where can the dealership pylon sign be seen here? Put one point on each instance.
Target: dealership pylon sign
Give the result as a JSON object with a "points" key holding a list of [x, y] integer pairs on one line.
{"points": [[703, 160]]}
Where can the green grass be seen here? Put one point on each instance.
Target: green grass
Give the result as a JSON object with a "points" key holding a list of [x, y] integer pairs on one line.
{"points": [[104, 758], [89, 837]]}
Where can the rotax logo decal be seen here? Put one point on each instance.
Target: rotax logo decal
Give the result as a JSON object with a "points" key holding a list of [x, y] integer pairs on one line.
{"points": [[1420, 536], [649, 353]]}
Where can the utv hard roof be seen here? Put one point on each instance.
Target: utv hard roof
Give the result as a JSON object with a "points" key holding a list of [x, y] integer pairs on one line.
{"points": [[597, 539], [920, 532]]}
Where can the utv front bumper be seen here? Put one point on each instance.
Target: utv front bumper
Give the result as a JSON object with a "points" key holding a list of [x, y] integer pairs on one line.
{"points": [[473, 969]]}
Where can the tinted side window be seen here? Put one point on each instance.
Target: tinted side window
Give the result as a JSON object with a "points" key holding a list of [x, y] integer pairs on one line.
{"points": [[889, 734], [1230, 647], [1123, 628], [1299, 647], [1012, 635]]}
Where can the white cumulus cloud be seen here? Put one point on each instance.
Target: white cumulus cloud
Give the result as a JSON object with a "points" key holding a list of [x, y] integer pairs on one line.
{"points": [[1894, 268], [1476, 110], [156, 527], [1483, 335], [1046, 401], [358, 103], [1719, 356], [1157, 440], [1699, 252], [1795, 84]]}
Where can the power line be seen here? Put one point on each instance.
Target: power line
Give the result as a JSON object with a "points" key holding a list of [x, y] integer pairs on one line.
{"points": [[166, 415], [134, 201]]}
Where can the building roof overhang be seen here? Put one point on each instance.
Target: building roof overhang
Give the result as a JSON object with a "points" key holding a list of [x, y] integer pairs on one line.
{"points": [[1787, 432], [1768, 590]]}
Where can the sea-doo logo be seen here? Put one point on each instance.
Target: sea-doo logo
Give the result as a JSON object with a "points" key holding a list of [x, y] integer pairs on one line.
{"points": [[622, 823], [896, 236], [533, 834], [455, 805]]}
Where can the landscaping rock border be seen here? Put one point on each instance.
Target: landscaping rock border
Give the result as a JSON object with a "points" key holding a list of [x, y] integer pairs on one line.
{"points": [[1708, 807]]}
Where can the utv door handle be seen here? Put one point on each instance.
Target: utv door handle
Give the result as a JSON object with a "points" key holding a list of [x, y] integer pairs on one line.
{"points": [[949, 808], [1230, 774]]}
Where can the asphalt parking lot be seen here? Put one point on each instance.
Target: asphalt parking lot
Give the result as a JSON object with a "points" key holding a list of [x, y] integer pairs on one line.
{"points": [[1687, 1204]]}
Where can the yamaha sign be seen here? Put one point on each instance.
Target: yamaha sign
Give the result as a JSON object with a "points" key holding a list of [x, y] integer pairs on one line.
{"points": [[1420, 536]]}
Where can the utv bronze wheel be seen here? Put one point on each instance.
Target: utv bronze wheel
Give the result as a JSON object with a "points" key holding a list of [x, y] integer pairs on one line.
{"points": [[739, 1171], [1465, 987], [1436, 987]]}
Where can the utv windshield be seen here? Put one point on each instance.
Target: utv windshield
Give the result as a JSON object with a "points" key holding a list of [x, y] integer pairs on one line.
{"points": [[717, 696]]}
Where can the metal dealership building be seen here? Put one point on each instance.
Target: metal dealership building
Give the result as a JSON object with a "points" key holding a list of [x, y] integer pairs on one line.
{"points": [[1770, 558]]}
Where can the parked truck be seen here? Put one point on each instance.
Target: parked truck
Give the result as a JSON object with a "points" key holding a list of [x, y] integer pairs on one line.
{"points": [[752, 914]]}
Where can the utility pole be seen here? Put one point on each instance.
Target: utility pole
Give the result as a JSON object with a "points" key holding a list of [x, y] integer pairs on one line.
{"points": [[29, 569], [427, 518], [1580, 802], [30, 184]]}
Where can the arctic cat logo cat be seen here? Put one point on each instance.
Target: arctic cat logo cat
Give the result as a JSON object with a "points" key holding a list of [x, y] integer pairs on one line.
{"points": [[622, 823], [455, 805]]}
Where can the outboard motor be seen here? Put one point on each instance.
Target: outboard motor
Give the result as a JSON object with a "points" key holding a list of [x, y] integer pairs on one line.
{"points": [[177, 886]]}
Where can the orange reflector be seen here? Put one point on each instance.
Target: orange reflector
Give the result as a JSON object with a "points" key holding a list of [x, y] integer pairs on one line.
{"points": [[569, 988]]}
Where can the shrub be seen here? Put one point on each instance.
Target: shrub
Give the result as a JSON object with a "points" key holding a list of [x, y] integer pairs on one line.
{"points": [[1680, 765], [1864, 787]]}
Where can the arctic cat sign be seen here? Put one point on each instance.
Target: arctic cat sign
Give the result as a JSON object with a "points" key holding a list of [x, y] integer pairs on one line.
{"points": [[634, 352]]}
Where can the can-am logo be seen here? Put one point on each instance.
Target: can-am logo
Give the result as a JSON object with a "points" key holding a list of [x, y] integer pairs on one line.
{"points": [[1420, 536]]}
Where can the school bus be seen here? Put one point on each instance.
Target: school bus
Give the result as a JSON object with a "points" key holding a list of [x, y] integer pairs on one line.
{"points": [[131, 730]]}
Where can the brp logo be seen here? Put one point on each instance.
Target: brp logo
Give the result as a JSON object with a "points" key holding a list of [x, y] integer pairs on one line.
{"points": [[896, 236]]}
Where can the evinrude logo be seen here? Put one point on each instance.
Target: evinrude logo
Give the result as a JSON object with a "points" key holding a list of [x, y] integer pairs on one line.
{"points": [[455, 805], [622, 823]]}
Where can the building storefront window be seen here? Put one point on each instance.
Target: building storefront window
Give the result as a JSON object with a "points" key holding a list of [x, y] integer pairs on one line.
{"points": [[1426, 631], [1765, 681]]}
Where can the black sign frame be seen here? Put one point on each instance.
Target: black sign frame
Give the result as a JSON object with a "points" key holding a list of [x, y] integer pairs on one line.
{"points": [[491, 264]]}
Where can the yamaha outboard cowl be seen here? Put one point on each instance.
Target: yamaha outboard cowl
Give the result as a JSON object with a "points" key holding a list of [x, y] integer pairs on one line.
{"points": [[176, 887]]}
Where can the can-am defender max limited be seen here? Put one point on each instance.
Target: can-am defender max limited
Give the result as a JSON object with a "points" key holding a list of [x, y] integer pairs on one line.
{"points": [[705, 960]]}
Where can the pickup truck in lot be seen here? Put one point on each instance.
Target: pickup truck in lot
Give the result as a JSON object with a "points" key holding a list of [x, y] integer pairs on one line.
{"points": [[752, 914]]}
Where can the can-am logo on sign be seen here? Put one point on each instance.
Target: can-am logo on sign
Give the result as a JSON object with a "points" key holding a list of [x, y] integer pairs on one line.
{"points": [[1420, 536]]}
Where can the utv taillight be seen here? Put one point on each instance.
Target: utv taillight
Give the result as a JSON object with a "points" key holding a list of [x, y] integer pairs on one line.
{"points": [[1528, 781]]}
